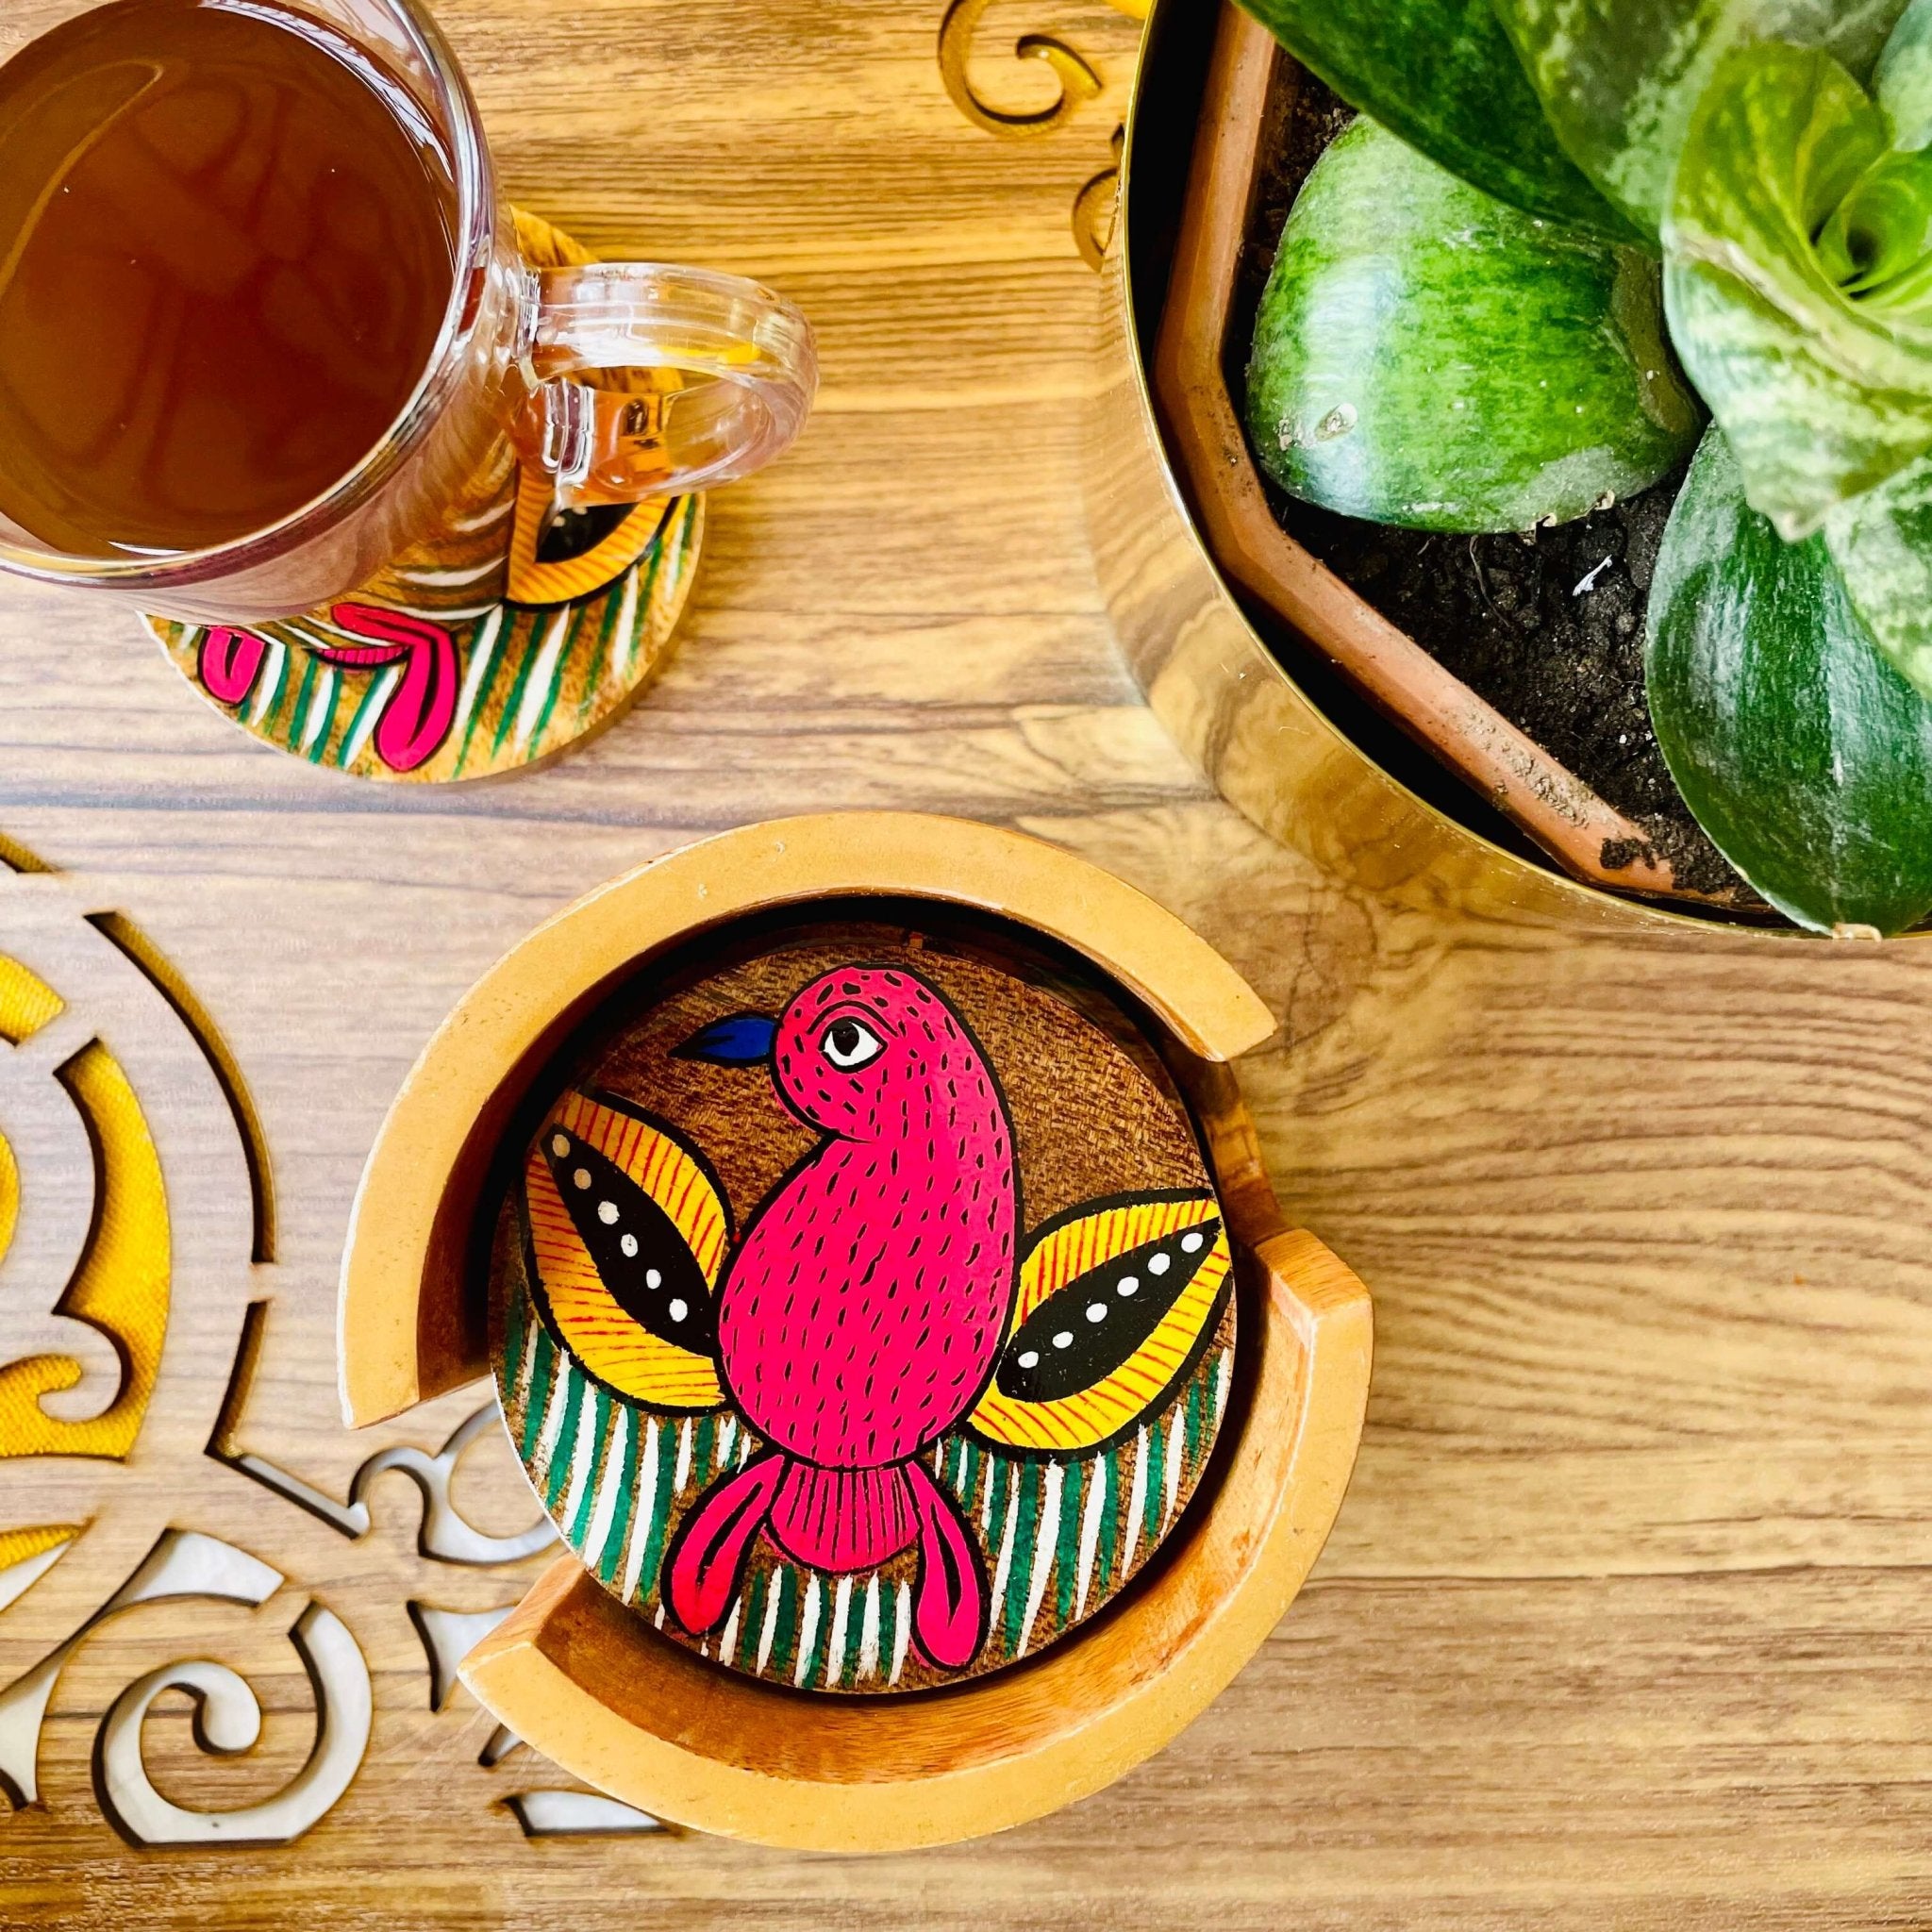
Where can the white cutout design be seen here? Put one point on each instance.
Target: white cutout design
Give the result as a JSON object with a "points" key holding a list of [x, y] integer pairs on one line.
{"points": [[227, 1719], [448, 1637], [577, 1814], [183, 1563]]}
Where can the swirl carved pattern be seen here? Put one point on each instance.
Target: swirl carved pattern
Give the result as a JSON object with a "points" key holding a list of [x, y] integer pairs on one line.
{"points": [[1079, 81], [137, 1255]]}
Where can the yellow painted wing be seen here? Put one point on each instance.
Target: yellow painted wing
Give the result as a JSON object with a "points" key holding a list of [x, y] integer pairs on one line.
{"points": [[1116, 1302], [627, 1234]]}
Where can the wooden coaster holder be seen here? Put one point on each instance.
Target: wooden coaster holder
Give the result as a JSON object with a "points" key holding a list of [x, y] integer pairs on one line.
{"points": [[588, 1683]]}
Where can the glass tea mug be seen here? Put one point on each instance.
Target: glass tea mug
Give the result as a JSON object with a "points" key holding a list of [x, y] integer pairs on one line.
{"points": [[501, 382]]}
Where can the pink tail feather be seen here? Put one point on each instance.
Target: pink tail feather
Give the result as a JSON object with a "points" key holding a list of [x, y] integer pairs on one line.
{"points": [[949, 1599], [418, 714], [229, 660], [842, 1519], [706, 1562]]}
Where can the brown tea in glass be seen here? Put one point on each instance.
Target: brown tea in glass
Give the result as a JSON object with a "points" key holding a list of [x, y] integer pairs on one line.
{"points": [[227, 249], [271, 337]]}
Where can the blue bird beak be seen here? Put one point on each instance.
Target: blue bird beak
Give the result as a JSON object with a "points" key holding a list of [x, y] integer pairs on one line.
{"points": [[744, 1040]]}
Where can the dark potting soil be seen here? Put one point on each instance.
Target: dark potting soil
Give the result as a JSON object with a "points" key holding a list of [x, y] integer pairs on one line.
{"points": [[1546, 624]]}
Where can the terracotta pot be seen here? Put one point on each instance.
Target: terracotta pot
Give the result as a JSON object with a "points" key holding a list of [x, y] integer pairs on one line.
{"points": [[1588, 838]]}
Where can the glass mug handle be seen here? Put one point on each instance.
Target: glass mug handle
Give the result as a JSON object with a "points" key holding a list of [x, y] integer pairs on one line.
{"points": [[736, 369]]}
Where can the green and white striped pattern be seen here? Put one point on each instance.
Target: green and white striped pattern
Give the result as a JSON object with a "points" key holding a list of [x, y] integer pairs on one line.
{"points": [[1060, 1539], [534, 681]]}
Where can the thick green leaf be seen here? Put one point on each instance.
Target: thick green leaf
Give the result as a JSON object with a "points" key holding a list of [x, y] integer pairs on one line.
{"points": [[1877, 245], [1803, 752], [1787, 184], [1426, 356], [1882, 544], [1441, 72], [1620, 79], [1882, 540], [1903, 80]]}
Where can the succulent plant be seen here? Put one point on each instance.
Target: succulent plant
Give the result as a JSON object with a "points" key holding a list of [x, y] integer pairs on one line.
{"points": [[1502, 293]]}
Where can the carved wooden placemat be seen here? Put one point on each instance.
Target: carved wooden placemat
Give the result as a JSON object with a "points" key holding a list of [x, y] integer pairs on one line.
{"points": [[138, 1272]]}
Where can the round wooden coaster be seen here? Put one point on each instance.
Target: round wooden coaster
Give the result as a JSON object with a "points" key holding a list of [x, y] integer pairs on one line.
{"points": [[390, 693], [421, 680], [861, 1308]]}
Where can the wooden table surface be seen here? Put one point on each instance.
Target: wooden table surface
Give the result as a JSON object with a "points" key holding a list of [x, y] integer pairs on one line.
{"points": [[1625, 1621]]}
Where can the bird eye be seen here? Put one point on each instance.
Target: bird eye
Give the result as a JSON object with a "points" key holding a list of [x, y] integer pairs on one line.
{"points": [[849, 1045]]}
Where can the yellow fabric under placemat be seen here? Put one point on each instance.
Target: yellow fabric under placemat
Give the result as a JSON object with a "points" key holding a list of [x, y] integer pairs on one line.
{"points": [[121, 1286], [10, 1196], [28, 1002], [17, 1545]]}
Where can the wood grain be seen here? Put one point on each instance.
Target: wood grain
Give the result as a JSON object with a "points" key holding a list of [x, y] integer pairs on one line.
{"points": [[1624, 1619]]}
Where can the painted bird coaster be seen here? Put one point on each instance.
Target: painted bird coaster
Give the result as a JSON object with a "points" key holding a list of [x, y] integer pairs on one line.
{"points": [[862, 1309]]}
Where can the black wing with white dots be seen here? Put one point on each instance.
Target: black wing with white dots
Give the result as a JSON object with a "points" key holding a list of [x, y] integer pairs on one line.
{"points": [[627, 1236], [1116, 1302]]}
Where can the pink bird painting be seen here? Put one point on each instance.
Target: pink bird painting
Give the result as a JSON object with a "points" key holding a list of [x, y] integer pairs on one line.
{"points": [[883, 1298]]}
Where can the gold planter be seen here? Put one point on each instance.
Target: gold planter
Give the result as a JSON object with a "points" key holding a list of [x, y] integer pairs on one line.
{"points": [[1264, 740]]}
